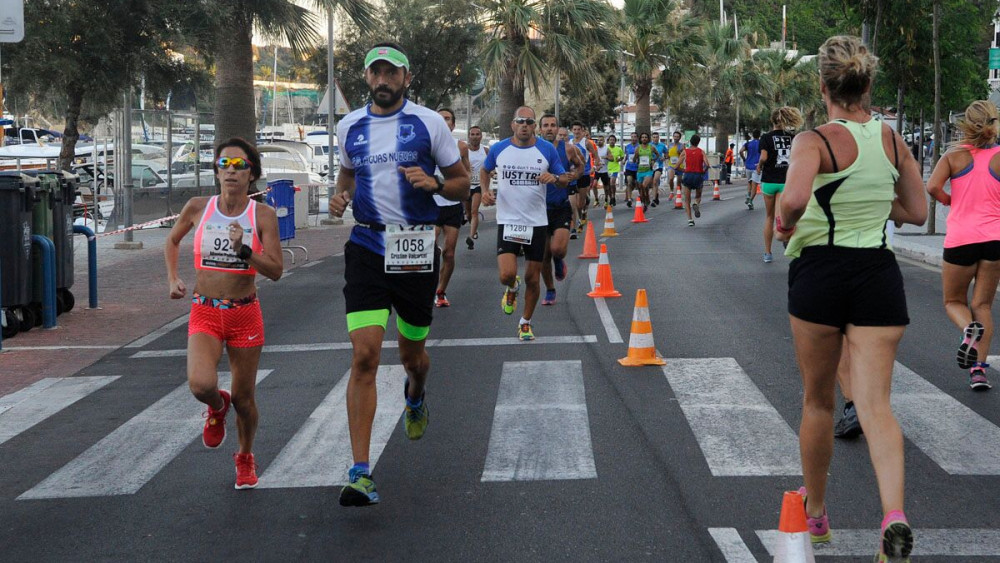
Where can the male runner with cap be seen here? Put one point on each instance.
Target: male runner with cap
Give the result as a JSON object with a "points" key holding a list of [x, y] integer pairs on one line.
{"points": [[388, 151]]}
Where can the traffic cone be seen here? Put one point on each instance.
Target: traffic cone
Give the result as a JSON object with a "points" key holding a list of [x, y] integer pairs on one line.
{"points": [[640, 214], [609, 223], [678, 200], [590, 242], [641, 351], [716, 194], [758, 189], [605, 285], [793, 543]]}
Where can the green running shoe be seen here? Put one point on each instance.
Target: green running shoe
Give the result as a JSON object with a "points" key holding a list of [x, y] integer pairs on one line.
{"points": [[509, 300], [415, 419], [360, 492], [524, 332]]}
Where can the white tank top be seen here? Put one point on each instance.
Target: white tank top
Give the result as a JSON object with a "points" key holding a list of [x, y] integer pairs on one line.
{"points": [[212, 249], [476, 158]]}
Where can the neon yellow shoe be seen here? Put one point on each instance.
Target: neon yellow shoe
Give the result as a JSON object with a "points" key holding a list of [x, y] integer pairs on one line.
{"points": [[415, 419], [525, 333], [509, 300]]}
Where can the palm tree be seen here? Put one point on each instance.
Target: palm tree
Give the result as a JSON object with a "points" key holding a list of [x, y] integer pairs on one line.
{"points": [[528, 40], [734, 80], [232, 23], [795, 81], [654, 34]]}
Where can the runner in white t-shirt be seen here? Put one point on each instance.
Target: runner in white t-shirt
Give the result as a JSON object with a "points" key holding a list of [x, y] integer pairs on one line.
{"points": [[449, 221], [524, 165], [602, 173], [477, 155]]}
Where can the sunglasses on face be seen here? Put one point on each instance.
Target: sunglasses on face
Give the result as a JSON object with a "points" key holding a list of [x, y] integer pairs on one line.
{"points": [[237, 163], [524, 120]]}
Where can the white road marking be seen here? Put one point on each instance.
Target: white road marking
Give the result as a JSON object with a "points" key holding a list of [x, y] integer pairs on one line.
{"points": [[33, 348], [721, 403], [139, 343], [433, 343], [957, 438], [540, 426], [311, 264], [319, 454], [126, 459], [23, 409], [731, 545], [601, 303], [964, 542]]}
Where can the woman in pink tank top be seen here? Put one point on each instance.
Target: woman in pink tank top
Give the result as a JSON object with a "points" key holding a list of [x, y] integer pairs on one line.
{"points": [[235, 238], [972, 242]]}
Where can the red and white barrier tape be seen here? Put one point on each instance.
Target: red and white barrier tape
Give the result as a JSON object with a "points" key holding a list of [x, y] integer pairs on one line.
{"points": [[161, 220]]}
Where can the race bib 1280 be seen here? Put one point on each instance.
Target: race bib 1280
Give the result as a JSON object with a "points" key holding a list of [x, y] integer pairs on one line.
{"points": [[520, 234], [409, 248]]}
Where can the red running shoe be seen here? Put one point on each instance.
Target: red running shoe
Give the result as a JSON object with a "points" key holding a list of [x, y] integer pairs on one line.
{"points": [[246, 471], [215, 426]]}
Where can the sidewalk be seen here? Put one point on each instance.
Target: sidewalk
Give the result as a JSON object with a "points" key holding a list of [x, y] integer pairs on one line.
{"points": [[914, 243], [133, 301]]}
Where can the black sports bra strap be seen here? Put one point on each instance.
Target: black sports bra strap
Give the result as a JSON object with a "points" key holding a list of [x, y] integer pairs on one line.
{"points": [[895, 152], [829, 149]]}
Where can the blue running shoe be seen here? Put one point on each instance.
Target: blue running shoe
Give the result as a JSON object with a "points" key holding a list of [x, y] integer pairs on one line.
{"points": [[560, 267], [360, 491], [550, 297]]}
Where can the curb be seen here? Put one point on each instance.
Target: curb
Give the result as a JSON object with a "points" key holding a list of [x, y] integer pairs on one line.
{"points": [[917, 252]]}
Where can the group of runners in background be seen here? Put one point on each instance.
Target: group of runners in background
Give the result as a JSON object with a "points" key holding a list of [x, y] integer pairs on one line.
{"points": [[830, 195]]}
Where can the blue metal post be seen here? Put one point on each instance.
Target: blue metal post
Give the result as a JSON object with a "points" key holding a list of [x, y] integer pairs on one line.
{"points": [[91, 261], [48, 280]]}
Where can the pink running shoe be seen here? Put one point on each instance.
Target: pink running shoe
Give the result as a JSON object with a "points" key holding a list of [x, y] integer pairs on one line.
{"points": [[819, 528], [897, 538]]}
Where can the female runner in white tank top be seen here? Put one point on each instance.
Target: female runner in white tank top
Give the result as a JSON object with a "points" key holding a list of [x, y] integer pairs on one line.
{"points": [[235, 238]]}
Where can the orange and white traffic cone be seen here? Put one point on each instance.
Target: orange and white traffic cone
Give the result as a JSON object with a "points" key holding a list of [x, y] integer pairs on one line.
{"points": [[609, 223], [758, 189], [716, 194], [604, 286], [589, 243], [641, 350], [793, 544], [678, 199], [640, 213]]}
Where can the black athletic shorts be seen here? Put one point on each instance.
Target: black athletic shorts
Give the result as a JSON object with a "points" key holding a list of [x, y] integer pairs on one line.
{"points": [[631, 174], [450, 216], [534, 251], [693, 180], [475, 190], [604, 178], [970, 254], [583, 182], [559, 218], [572, 189], [837, 286], [369, 288]]}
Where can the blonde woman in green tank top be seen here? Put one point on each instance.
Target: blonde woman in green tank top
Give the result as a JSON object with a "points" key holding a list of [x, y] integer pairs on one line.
{"points": [[846, 179]]}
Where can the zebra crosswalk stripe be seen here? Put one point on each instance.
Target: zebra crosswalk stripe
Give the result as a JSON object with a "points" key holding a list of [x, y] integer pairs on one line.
{"points": [[319, 454], [127, 458], [23, 409]]}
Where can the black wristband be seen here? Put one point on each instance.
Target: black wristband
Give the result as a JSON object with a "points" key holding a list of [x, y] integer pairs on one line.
{"points": [[244, 253], [440, 187]]}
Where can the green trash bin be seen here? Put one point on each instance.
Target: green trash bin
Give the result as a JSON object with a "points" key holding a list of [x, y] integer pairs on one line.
{"points": [[16, 202], [60, 210], [41, 224]]}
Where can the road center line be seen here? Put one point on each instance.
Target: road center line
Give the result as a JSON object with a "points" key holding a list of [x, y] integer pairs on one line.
{"points": [[607, 320], [432, 343]]}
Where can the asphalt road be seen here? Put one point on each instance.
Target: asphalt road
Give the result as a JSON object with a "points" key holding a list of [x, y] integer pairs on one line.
{"points": [[535, 451]]}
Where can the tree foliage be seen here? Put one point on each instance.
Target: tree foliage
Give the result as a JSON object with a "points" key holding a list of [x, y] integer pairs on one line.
{"points": [[592, 103]]}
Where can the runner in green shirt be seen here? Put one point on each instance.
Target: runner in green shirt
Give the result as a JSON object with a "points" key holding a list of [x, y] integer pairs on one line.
{"points": [[616, 155]]}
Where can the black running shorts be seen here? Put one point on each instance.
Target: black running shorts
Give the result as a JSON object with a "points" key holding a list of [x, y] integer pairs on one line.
{"points": [[475, 190], [631, 174], [604, 178], [837, 286], [450, 216], [559, 218], [970, 254], [534, 251], [369, 288], [583, 182]]}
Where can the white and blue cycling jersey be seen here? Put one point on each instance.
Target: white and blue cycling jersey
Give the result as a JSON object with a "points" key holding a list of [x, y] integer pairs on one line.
{"points": [[520, 196], [374, 147]]}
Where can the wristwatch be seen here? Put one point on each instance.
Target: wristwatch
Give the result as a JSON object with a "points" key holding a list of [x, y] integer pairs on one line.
{"points": [[440, 187], [244, 253]]}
